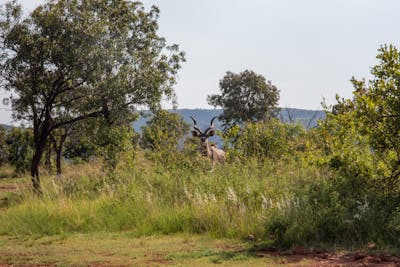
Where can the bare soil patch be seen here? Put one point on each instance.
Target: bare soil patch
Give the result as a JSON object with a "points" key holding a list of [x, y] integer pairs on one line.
{"points": [[7, 188], [122, 249], [325, 258]]}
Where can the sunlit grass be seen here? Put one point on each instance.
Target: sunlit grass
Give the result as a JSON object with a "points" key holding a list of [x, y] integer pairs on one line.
{"points": [[124, 249], [285, 201], [233, 200]]}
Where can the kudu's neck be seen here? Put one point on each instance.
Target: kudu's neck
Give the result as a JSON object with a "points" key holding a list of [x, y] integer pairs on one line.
{"points": [[206, 148]]}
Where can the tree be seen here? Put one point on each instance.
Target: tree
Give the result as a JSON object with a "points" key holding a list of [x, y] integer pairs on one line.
{"points": [[377, 107], [164, 131], [109, 141], [360, 136], [69, 61], [58, 137], [246, 96]]}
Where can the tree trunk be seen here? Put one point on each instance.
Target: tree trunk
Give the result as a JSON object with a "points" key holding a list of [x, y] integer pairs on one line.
{"points": [[40, 139], [58, 160], [58, 147], [35, 169], [47, 163]]}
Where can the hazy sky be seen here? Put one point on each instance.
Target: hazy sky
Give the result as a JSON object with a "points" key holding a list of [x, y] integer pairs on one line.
{"points": [[309, 49]]}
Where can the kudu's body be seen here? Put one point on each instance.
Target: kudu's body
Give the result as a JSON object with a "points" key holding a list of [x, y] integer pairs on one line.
{"points": [[207, 149]]}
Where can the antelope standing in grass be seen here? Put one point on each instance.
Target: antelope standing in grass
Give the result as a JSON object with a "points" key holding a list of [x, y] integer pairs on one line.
{"points": [[207, 149]]}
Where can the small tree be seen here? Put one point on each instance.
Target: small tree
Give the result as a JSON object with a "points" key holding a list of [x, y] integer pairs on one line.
{"points": [[109, 141], [20, 148], [377, 107], [246, 96], [164, 131], [360, 137]]}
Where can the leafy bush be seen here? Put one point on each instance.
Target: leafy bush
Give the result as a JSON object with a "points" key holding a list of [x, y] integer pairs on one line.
{"points": [[3, 146], [20, 148], [163, 136], [271, 139], [79, 148]]}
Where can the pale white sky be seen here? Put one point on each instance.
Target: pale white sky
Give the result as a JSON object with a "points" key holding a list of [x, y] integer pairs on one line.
{"points": [[308, 48]]}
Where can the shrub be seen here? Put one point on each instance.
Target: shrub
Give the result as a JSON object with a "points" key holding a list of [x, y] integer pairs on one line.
{"points": [[20, 148], [163, 136], [269, 139]]}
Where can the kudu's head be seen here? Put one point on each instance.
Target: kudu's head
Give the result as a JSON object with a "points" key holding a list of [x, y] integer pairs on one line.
{"points": [[217, 155], [203, 136]]}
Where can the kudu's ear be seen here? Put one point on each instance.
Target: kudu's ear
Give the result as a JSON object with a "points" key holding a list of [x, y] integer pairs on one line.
{"points": [[211, 133], [195, 134]]}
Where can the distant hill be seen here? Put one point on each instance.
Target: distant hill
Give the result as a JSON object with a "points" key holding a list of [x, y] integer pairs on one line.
{"points": [[308, 118], [5, 126]]}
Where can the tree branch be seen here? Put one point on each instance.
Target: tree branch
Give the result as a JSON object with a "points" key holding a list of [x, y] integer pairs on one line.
{"points": [[95, 114]]}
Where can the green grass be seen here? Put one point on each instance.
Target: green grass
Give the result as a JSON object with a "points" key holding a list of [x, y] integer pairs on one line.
{"points": [[156, 200], [287, 202], [124, 249], [11, 187]]}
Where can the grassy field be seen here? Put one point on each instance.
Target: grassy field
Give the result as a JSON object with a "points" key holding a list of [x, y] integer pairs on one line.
{"points": [[269, 213], [123, 249]]}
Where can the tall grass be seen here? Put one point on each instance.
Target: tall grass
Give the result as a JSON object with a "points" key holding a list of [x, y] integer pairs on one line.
{"points": [[286, 201]]}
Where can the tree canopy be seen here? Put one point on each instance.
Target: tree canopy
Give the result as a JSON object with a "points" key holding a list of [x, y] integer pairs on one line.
{"points": [[245, 96], [72, 60], [164, 131], [377, 107]]}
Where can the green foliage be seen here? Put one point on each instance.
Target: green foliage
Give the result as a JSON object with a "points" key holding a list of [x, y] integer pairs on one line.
{"points": [[70, 61], [245, 97], [112, 142], [107, 139], [271, 139], [19, 148], [82, 68], [342, 145], [359, 141], [3, 146], [79, 147], [121, 140], [377, 107], [360, 138], [163, 134]]}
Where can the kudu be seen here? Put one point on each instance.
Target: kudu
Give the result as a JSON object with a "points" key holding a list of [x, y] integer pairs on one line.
{"points": [[207, 149]]}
